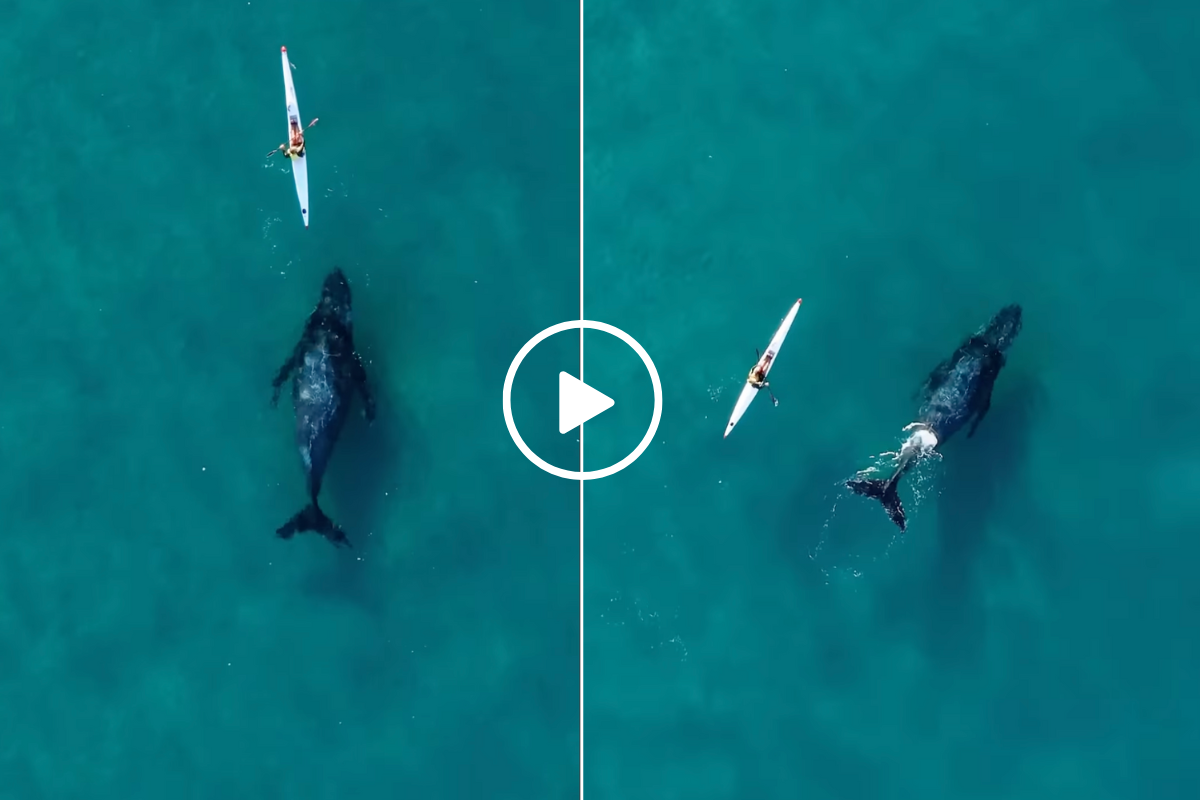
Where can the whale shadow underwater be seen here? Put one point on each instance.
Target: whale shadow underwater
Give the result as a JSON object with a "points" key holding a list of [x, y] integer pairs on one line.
{"points": [[377, 471], [990, 472], [940, 604]]}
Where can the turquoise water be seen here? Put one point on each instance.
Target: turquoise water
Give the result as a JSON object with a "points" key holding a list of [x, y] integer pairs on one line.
{"points": [[907, 169], [156, 639], [751, 631]]}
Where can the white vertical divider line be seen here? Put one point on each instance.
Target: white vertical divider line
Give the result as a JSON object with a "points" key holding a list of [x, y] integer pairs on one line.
{"points": [[581, 427]]}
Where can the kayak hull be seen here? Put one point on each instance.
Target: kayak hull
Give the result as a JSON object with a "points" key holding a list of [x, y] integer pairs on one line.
{"points": [[300, 175], [750, 391], [299, 165]]}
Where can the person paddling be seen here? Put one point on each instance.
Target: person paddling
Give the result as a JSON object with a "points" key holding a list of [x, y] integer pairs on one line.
{"points": [[295, 147], [758, 375]]}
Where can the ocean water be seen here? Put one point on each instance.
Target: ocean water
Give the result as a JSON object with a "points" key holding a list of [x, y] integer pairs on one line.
{"points": [[750, 630], [908, 169], [156, 639]]}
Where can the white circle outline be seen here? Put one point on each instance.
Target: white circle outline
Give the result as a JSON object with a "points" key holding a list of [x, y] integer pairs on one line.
{"points": [[590, 475]]}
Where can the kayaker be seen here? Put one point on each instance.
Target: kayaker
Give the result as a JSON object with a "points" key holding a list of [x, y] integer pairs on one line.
{"points": [[758, 377], [294, 148]]}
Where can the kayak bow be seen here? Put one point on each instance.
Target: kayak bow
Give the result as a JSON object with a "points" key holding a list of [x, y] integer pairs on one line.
{"points": [[299, 163], [750, 391]]}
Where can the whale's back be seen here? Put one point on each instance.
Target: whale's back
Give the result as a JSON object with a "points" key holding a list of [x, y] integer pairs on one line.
{"points": [[320, 397], [949, 406]]}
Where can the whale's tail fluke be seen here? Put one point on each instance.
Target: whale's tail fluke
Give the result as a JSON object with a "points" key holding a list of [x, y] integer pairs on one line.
{"points": [[312, 518], [883, 490]]}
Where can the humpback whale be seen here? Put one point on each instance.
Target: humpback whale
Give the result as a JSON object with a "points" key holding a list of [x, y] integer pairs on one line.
{"points": [[958, 391], [327, 372]]}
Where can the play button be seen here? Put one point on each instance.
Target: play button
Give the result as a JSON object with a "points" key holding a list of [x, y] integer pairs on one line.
{"points": [[578, 402]]}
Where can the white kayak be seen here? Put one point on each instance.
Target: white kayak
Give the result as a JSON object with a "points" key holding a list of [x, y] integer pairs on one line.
{"points": [[750, 391], [299, 164]]}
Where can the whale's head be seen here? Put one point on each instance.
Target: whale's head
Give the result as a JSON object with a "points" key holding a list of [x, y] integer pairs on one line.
{"points": [[335, 297], [1004, 327]]}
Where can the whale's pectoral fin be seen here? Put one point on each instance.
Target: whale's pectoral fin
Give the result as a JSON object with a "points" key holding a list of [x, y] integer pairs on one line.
{"points": [[293, 361], [360, 382]]}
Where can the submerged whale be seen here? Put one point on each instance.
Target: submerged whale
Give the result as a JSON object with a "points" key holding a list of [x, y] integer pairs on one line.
{"points": [[328, 371], [958, 391]]}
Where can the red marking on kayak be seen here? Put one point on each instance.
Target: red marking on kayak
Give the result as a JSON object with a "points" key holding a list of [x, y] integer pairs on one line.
{"points": [[283, 49]]}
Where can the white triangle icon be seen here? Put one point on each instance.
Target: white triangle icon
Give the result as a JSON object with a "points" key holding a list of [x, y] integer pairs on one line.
{"points": [[578, 402]]}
